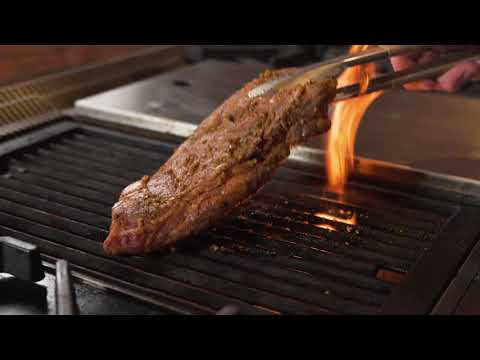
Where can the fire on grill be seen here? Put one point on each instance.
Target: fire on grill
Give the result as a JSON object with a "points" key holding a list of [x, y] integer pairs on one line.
{"points": [[346, 119], [305, 244], [233, 154]]}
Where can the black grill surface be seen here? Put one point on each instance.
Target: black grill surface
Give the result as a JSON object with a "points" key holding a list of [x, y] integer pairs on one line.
{"points": [[291, 250]]}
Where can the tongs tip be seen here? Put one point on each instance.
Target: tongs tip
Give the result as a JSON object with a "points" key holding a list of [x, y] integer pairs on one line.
{"points": [[311, 73]]}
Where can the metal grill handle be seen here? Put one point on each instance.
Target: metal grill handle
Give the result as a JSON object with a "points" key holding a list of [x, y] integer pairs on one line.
{"points": [[64, 291], [228, 310]]}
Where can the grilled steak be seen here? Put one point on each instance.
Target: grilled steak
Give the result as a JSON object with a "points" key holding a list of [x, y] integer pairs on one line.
{"points": [[232, 154]]}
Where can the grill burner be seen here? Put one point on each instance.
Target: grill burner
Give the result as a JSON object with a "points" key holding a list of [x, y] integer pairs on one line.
{"points": [[276, 255]]}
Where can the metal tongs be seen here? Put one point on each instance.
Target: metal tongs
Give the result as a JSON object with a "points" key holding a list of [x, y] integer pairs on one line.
{"points": [[334, 68]]}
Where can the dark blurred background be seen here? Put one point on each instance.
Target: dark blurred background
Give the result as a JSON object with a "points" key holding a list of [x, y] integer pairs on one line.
{"points": [[273, 55], [24, 62]]}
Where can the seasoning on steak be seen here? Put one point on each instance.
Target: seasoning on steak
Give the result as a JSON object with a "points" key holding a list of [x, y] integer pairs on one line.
{"points": [[231, 155]]}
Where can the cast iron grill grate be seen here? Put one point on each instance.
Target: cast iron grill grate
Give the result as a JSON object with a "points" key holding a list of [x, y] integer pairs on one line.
{"points": [[291, 250]]}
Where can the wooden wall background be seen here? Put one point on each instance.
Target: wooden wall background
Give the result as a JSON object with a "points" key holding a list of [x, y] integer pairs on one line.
{"points": [[23, 62]]}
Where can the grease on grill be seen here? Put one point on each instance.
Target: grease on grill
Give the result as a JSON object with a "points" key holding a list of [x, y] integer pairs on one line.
{"points": [[241, 249], [271, 311], [324, 226], [390, 276]]}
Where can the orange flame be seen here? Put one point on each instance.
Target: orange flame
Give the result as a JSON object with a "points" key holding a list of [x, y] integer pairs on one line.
{"points": [[326, 227], [346, 119], [325, 216], [343, 217]]}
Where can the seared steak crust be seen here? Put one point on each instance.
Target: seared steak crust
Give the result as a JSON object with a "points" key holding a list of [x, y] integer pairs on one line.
{"points": [[232, 154]]}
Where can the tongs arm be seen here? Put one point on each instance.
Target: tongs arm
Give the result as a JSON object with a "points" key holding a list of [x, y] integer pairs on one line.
{"points": [[401, 78], [335, 67], [378, 53]]}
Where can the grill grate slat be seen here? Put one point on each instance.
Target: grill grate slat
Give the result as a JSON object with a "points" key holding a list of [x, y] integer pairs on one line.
{"points": [[295, 251], [73, 177], [130, 162], [340, 235], [346, 276], [48, 219], [55, 208], [56, 185], [372, 218], [249, 226], [126, 147], [389, 202], [270, 254], [117, 175], [54, 196], [322, 284]]}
